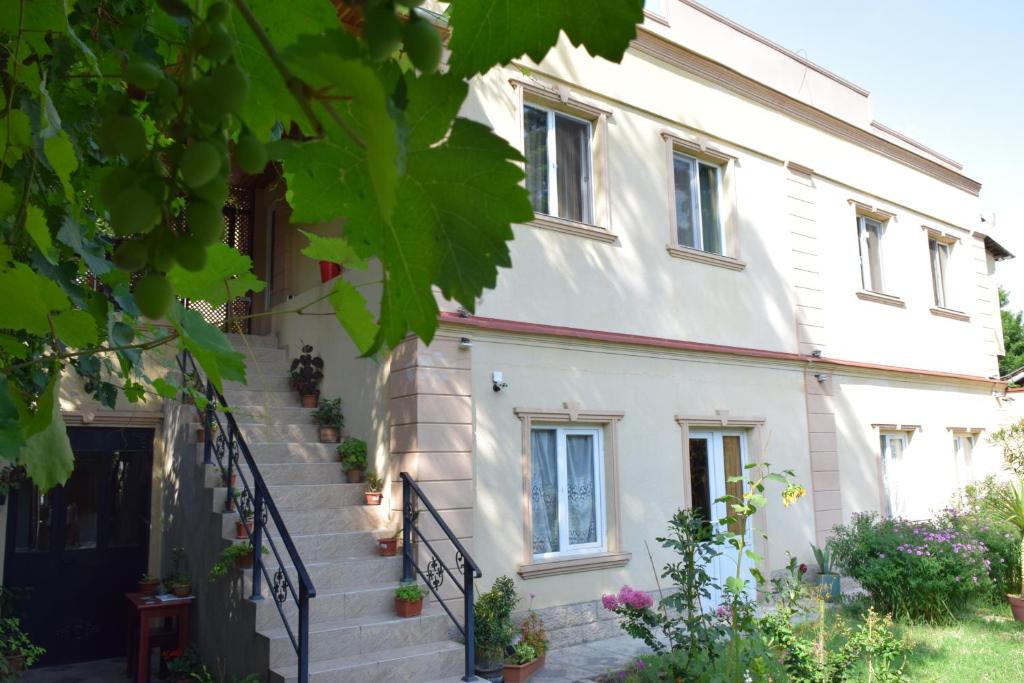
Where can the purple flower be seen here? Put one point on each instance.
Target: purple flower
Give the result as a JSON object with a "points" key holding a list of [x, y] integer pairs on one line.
{"points": [[640, 665], [881, 556]]}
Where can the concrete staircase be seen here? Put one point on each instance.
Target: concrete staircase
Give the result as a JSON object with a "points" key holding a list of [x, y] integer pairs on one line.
{"points": [[355, 636]]}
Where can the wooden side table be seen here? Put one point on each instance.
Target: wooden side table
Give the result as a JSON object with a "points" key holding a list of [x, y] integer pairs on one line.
{"points": [[142, 609]]}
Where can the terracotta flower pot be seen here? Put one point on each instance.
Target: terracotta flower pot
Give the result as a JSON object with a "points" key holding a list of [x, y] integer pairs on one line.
{"points": [[519, 673], [244, 561], [404, 608], [354, 476], [200, 435], [1016, 606], [234, 480], [229, 504], [309, 400], [243, 529], [15, 663], [149, 586], [373, 497], [388, 547], [330, 435], [182, 590]]}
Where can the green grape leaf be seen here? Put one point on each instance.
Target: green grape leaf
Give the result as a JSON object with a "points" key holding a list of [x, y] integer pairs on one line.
{"points": [[76, 328], [11, 437], [208, 346], [433, 103], [8, 200], [350, 307], [489, 32], [39, 231], [12, 148], [166, 389], [37, 297], [226, 275], [91, 250], [61, 155], [13, 347], [46, 454], [314, 171], [333, 249]]}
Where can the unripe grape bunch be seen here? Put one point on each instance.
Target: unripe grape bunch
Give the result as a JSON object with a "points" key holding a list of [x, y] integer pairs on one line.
{"points": [[385, 32]]}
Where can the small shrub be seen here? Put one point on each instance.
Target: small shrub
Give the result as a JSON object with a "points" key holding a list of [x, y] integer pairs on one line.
{"points": [[928, 571], [532, 633], [14, 641], [410, 592], [492, 616], [353, 453], [328, 413], [374, 484]]}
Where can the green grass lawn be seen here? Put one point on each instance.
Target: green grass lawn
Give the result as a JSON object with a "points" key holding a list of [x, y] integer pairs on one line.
{"points": [[988, 647]]}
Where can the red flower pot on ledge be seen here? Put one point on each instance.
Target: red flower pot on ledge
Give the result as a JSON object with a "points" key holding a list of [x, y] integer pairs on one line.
{"points": [[405, 608], [520, 673], [309, 400], [373, 497], [387, 547], [243, 529]]}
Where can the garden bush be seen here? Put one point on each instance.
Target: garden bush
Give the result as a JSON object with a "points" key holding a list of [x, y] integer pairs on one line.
{"points": [[931, 571], [979, 516]]}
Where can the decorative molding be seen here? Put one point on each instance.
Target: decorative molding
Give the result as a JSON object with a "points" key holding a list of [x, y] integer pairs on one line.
{"points": [[691, 254], [911, 141], [799, 168], [940, 236], [657, 18], [650, 43], [699, 148], [721, 419], [949, 313], [871, 211], [571, 413], [585, 563], [878, 297], [576, 228], [971, 431], [892, 427], [559, 95], [113, 418]]}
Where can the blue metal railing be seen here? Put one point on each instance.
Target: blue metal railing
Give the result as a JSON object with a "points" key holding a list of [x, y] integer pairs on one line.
{"points": [[223, 445], [436, 569]]}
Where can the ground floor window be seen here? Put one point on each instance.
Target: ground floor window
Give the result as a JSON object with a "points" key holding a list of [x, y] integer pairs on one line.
{"points": [[894, 446], [567, 490], [963, 456]]}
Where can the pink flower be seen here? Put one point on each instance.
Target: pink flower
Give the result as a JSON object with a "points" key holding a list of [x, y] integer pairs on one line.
{"points": [[634, 598], [609, 602]]}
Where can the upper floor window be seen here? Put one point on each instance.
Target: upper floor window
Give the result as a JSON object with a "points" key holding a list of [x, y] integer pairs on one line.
{"points": [[869, 234], [558, 163], [697, 203], [938, 254]]}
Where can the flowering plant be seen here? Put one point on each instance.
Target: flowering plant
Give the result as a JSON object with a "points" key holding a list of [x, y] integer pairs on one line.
{"points": [[532, 633]]}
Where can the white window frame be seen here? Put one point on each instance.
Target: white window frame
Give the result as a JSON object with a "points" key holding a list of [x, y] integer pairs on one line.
{"points": [[567, 550], [939, 272], [866, 281], [963, 457], [695, 206], [552, 167], [886, 439]]}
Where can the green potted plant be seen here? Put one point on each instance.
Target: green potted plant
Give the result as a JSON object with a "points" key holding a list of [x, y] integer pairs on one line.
{"points": [[409, 599], [148, 585], [492, 616], [243, 527], [17, 652], [374, 488], [328, 415], [1009, 506], [237, 555], [179, 582], [529, 653], [306, 373], [353, 458], [828, 579]]}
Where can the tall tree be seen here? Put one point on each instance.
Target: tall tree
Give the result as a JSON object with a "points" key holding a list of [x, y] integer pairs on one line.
{"points": [[122, 119], [1013, 335]]}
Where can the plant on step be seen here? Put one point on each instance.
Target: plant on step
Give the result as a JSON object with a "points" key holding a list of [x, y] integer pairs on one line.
{"points": [[531, 631], [179, 582], [17, 650], [828, 579], [329, 417], [306, 373], [410, 592], [235, 555], [523, 653], [492, 616], [374, 488], [353, 458]]}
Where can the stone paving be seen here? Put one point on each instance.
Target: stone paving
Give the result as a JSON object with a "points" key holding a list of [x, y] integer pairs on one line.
{"points": [[100, 671], [587, 661]]}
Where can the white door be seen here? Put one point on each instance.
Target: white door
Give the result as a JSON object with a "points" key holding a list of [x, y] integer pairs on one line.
{"points": [[894, 448], [714, 458]]}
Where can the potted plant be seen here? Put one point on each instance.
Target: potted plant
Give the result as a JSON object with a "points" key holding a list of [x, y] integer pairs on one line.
{"points": [[201, 432], [1009, 505], [328, 416], [17, 652], [409, 599], [828, 580], [181, 665], [492, 615], [374, 488], [243, 527], [229, 481], [353, 458], [523, 663], [148, 585], [179, 582], [237, 555], [306, 373], [229, 500], [387, 546]]}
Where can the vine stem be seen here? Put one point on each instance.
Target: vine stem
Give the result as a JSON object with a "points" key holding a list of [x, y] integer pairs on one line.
{"points": [[14, 81], [145, 346]]}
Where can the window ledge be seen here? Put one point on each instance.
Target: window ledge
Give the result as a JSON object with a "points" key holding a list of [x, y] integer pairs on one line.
{"points": [[570, 565], [690, 254], [576, 228], [880, 298], [950, 313]]}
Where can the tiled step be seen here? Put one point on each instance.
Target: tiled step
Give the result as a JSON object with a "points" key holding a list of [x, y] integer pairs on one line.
{"points": [[293, 453], [278, 380], [335, 576], [257, 415], [303, 473], [341, 545], [319, 521], [253, 340], [265, 355], [313, 496], [332, 639], [411, 664], [258, 397], [295, 433], [373, 602]]}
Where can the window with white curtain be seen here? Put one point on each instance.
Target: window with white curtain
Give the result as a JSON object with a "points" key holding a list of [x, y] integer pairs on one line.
{"points": [[963, 457], [566, 491], [895, 473], [938, 254], [869, 234], [558, 163], [697, 201]]}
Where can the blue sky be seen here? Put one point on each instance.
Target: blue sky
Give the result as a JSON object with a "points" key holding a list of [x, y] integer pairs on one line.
{"points": [[947, 73]]}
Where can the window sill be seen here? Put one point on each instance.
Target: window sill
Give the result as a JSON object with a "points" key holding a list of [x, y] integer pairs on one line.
{"points": [[576, 228], [879, 298], [690, 254], [950, 313], [571, 565]]}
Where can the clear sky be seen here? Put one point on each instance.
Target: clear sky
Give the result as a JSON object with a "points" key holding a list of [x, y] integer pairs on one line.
{"points": [[948, 73]]}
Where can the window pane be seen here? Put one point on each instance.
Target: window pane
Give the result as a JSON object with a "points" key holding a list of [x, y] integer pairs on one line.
{"points": [[572, 139], [35, 519], [544, 490], [129, 485], [82, 512], [709, 219], [870, 233], [535, 139], [582, 488], [700, 482], [683, 169]]}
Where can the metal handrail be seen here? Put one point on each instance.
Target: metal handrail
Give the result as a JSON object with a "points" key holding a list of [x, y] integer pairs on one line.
{"points": [[436, 568], [263, 509]]}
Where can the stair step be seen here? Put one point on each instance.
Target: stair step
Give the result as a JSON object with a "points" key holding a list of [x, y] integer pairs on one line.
{"points": [[313, 496], [368, 601], [339, 545], [338, 576], [258, 397], [254, 415], [259, 378], [261, 340], [293, 453], [293, 433], [302, 473], [421, 662], [265, 355], [332, 639], [319, 521]]}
